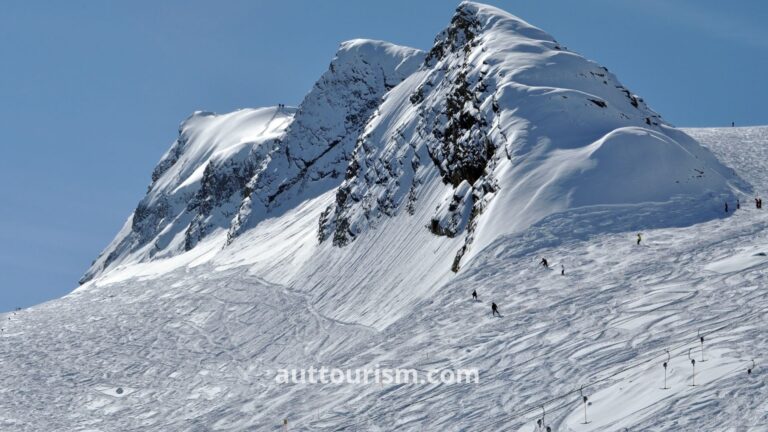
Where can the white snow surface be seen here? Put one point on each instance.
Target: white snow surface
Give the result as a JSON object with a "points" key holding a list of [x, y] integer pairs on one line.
{"points": [[565, 134], [195, 347], [224, 144], [350, 231]]}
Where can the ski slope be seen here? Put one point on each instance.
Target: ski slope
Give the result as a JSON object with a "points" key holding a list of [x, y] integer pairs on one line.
{"points": [[193, 344]]}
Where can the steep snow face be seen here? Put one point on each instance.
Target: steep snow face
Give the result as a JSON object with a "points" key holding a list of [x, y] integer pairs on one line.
{"points": [[517, 128], [198, 184], [314, 154], [229, 171]]}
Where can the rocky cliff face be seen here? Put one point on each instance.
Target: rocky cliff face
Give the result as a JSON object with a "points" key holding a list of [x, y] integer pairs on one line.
{"points": [[496, 128], [314, 154], [197, 186], [227, 172], [493, 111]]}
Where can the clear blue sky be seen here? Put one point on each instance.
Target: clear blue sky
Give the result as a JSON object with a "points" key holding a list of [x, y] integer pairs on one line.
{"points": [[91, 92]]}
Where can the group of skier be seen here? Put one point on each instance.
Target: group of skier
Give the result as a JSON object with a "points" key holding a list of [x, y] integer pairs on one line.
{"points": [[495, 308], [544, 263], [758, 204]]}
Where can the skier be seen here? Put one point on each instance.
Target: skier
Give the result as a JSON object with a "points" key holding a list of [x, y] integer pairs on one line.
{"points": [[738, 204], [495, 310], [562, 270], [544, 263], [474, 295], [726, 207], [639, 239]]}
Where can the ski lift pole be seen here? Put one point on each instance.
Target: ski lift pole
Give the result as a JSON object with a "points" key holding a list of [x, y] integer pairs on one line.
{"points": [[541, 422], [693, 368], [584, 400]]}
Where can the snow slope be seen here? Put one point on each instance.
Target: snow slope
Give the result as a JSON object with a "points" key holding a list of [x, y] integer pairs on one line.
{"points": [[350, 231], [196, 348], [517, 128], [231, 171], [197, 185], [399, 167]]}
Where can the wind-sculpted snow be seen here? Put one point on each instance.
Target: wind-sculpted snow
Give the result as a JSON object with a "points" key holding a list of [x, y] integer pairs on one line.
{"points": [[314, 153], [533, 128], [197, 185], [350, 231], [197, 348], [496, 128], [230, 171], [399, 167]]}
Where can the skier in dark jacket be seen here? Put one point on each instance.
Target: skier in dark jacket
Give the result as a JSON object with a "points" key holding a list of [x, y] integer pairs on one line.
{"points": [[474, 295], [639, 239], [726, 207], [495, 310], [738, 204], [544, 263]]}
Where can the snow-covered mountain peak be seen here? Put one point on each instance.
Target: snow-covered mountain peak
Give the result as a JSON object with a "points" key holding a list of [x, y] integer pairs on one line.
{"points": [[349, 233], [197, 185], [227, 172], [399, 167], [206, 137], [531, 127], [475, 19], [314, 154], [396, 62]]}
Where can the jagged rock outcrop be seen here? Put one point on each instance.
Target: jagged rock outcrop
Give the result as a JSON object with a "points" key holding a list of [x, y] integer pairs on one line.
{"points": [[228, 171], [314, 154], [498, 127], [197, 186], [493, 112]]}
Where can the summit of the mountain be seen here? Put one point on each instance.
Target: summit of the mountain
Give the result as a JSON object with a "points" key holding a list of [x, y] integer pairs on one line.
{"points": [[503, 127]]}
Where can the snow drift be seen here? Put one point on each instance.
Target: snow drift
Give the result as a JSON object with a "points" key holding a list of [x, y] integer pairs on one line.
{"points": [[350, 231]]}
